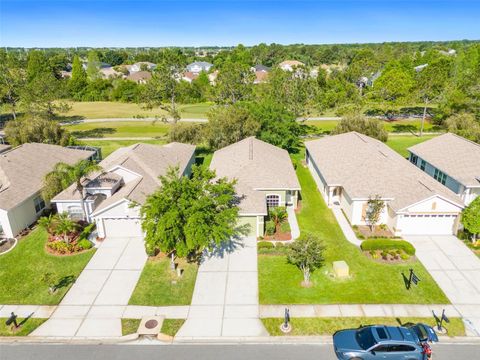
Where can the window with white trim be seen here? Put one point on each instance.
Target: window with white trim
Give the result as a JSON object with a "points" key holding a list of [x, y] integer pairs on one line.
{"points": [[440, 176], [39, 204], [413, 159], [273, 200]]}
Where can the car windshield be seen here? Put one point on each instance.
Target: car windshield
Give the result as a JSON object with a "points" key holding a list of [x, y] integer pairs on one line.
{"points": [[365, 338]]}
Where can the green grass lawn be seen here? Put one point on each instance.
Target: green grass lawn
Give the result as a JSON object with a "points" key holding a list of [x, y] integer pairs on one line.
{"points": [[169, 327], [22, 268], [130, 326], [151, 129], [400, 143], [371, 282], [398, 126], [26, 328], [111, 109], [159, 286], [328, 326]]}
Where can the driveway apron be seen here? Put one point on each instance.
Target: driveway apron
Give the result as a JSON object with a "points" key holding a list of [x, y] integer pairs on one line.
{"points": [[456, 270], [94, 305], [225, 298]]}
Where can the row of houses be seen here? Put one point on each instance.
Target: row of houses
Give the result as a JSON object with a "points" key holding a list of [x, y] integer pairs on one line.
{"points": [[423, 195]]}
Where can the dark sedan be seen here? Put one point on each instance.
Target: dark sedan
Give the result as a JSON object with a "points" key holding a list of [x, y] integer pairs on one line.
{"points": [[385, 342]]}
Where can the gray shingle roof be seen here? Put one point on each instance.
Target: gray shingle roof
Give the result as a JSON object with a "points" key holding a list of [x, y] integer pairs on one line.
{"points": [[23, 168], [365, 167], [256, 165], [149, 161], [454, 155]]}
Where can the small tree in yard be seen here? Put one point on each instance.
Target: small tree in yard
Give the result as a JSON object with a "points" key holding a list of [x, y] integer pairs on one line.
{"points": [[306, 253], [278, 215], [64, 226], [471, 218], [375, 207], [186, 215]]}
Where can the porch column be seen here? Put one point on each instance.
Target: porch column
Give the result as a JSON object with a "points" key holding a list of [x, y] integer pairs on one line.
{"points": [[330, 196]]}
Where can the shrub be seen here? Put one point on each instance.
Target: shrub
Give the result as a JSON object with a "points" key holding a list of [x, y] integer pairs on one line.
{"points": [[270, 227], [84, 244], [388, 244], [60, 247], [404, 256], [279, 245], [285, 227], [265, 245], [87, 230]]}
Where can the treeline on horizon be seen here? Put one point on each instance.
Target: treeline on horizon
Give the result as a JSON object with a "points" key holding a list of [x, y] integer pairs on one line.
{"points": [[440, 80], [265, 54]]}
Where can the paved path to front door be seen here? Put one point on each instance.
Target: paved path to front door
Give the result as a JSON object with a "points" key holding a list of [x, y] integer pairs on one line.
{"points": [[456, 270], [94, 305], [225, 298]]}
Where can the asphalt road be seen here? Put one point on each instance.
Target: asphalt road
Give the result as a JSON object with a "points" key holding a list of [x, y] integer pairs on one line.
{"points": [[201, 352]]}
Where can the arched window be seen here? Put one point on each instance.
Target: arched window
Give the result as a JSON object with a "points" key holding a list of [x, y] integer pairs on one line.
{"points": [[273, 200]]}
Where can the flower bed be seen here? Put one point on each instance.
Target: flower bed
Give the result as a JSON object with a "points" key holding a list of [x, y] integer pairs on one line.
{"points": [[388, 250], [65, 236], [277, 226], [6, 245]]}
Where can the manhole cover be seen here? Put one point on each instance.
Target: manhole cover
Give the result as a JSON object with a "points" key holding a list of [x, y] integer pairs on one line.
{"points": [[150, 324]]}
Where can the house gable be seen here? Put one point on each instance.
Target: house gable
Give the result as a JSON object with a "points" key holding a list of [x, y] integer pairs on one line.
{"points": [[434, 204]]}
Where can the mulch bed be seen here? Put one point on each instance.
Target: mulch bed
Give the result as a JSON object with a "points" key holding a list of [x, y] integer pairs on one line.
{"points": [[377, 232], [390, 259], [6, 244]]}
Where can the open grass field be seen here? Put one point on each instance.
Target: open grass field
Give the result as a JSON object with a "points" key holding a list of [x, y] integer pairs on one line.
{"points": [[22, 268], [109, 146], [153, 129], [328, 326], [160, 286], [400, 143], [110, 109], [27, 326], [370, 282]]}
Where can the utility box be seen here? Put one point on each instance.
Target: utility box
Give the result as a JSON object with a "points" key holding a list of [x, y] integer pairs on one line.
{"points": [[341, 270]]}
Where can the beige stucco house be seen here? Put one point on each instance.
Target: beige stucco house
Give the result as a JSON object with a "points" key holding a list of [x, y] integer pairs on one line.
{"points": [[451, 160], [350, 168], [113, 197], [265, 177], [22, 170]]}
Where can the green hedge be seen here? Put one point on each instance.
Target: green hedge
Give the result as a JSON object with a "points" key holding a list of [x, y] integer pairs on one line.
{"points": [[388, 244], [265, 245]]}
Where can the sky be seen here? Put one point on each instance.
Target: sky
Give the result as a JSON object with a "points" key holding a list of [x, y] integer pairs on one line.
{"points": [[121, 23]]}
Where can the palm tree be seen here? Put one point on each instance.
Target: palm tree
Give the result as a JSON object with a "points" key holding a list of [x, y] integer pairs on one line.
{"points": [[63, 175], [278, 215], [65, 226]]}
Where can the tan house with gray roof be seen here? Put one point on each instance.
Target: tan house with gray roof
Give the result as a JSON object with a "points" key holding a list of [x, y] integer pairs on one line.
{"points": [[22, 170], [349, 168], [451, 160], [112, 198], [265, 177]]}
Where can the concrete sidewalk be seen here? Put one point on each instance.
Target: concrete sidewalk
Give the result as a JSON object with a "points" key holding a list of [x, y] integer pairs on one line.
{"points": [[345, 226], [96, 302], [357, 310], [292, 221], [225, 298]]}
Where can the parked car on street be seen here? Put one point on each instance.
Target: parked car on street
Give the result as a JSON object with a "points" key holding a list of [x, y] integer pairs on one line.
{"points": [[385, 342]]}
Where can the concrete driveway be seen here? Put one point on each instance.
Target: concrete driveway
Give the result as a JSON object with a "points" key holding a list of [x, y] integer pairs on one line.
{"points": [[225, 298], [456, 270], [95, 303]]}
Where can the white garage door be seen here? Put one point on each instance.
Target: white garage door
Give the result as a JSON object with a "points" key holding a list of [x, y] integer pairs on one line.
{"points": [[427, 224], [122, 227]]}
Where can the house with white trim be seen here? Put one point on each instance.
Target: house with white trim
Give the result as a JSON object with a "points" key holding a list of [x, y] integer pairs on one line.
{"points": [[113, 197], [198, 66], [451, 160], [22, 170], [350, 168], [265, 178]]}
